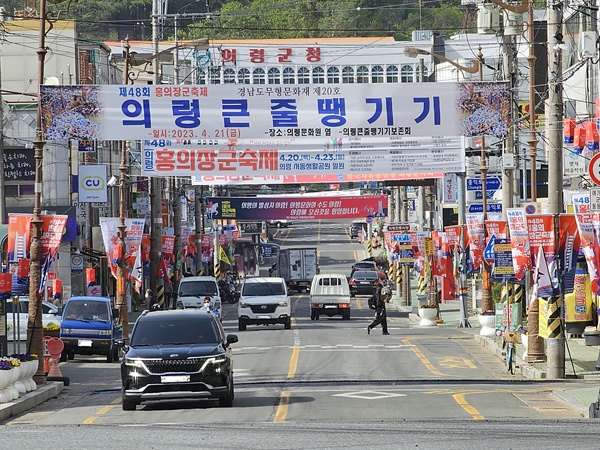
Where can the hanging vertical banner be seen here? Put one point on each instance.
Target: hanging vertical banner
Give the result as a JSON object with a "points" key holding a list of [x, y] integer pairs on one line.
{"points": [[519, 241], [569, 243], [496, 228], [475, 231], [133, 237], [540, 229]]}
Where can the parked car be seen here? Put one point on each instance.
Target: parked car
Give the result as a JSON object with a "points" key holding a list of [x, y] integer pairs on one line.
{"points": [[364, 282], [329, 296], [281, 223], [177, 354], [356, 228], [192, 290], [264, 301], [89, 327], [50, 315]]}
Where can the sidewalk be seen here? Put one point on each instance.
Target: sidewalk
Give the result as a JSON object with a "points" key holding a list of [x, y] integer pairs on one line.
{"points": [[580, 360]]}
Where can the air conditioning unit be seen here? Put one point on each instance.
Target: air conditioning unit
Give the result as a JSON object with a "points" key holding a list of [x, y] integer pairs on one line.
{"points": [[587, 44], [422, 35], [488, 19]]}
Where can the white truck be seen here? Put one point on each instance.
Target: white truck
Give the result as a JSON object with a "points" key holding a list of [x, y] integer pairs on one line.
{"points": [[329, 296], [297, 266]]}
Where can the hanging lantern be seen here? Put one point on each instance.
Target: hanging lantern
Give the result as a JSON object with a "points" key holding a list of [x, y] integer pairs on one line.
{"points": [[5, 285], [90, 276], [578, 140], [57, 288], [23, 268], [591, 136], [569, 130], [117, 253]]}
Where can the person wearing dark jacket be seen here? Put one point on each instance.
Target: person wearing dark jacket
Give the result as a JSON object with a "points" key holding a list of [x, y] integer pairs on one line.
{"points": [[380, 313]]}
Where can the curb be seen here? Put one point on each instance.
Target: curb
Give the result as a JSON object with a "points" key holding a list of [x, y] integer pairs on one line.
{"points": [[30, 399]]}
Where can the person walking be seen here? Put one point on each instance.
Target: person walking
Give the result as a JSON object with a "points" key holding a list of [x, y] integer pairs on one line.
{"points": [[381, 298], [149, 300]]}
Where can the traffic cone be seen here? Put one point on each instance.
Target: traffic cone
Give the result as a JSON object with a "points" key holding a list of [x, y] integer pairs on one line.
{"points": [[55, 347]]}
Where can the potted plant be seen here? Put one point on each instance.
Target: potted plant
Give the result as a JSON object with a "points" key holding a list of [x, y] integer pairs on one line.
{"points": [[428, 313], [487, 320], [52, 329]]}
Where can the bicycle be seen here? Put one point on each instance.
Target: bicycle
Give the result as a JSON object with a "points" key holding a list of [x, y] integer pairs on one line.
{"points": [[509, 340]]}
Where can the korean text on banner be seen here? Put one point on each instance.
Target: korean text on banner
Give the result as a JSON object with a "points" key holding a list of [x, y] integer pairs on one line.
{"points": [[519, 241]]}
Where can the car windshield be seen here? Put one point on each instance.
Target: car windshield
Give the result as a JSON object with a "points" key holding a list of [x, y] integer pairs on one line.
{"points": [[87, 310], [174, 331], [196, 288], [267, 288], [364, 265]]}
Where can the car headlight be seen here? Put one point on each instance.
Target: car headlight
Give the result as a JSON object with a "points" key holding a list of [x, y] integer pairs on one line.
{"points": [[283, 304], [214, 363], [133, 362], [244, 305], [104, 332], [67, 331]]}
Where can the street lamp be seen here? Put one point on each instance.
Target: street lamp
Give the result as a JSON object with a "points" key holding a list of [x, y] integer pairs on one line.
{"points": [[414, 51], [34, 322]]}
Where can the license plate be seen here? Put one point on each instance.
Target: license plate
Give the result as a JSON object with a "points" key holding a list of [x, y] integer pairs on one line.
{"points": [[303, 283], [264, 317], [364, 282], [330, 306], [175, 379], [84, 343]]}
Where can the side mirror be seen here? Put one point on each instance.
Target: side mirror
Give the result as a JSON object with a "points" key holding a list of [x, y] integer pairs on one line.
{"points": [[231, 339], [115, 313]]}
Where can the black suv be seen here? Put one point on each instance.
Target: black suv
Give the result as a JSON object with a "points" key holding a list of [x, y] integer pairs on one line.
{"points": [[177, 354]]}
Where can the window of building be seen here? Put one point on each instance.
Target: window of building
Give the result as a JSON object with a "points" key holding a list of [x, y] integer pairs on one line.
{"points": [[244, 76], [215, 75], [289, 76], [392, 74], [274, 76], [258, 76], [362, 74], [377, 74], [201, 76], [348, 75], [406, 74], [229, 76], [318, 75], [333, 75], [303, 75]]}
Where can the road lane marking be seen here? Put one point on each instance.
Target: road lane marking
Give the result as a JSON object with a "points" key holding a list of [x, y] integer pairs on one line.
{"points": [[282, 407], [423, 359], [293, 363], [460, 399], [104, 410]]}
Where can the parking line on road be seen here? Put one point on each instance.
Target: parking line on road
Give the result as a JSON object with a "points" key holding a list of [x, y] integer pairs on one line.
{"points": [[460, 399], [293, 362], [282, 407], [423, 359], [93, 418]]}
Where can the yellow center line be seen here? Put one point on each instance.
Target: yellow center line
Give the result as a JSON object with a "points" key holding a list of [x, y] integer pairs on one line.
{"points": [[460, 399], [293, 363], [282, 407]]}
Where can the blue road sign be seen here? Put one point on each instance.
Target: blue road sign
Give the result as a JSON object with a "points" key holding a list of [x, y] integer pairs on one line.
{"points": [[401, 238], [491, 208], [488, 252], [491, 183]]}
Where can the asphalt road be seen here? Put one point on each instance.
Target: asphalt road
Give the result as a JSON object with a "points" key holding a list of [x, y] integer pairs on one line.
{"points": [[323, 384]]}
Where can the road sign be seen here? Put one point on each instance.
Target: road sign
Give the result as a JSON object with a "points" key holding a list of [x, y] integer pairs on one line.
{"points": [[491, 183], [594, 168], [488, 252], [369, 219], [595, 199], [491, 208]]}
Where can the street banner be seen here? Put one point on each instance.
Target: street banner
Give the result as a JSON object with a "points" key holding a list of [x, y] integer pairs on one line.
{"points": [[92, 183], [53, 228], [19, 237], [381, 158], [168, 247], [496, 228], [540, 229], [585, 227], [133, 238], [475, 231], [213, 112], [296, 208], [519, 241], [299, 178], [453, 236], [569, 243]]}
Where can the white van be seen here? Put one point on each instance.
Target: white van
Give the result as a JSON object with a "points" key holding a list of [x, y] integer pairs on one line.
{"points": [[192, 290], [264, 301], [329, 296]]}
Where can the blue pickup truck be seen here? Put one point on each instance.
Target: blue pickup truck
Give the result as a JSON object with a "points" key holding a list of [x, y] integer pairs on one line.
{"points": [[89, 327]]}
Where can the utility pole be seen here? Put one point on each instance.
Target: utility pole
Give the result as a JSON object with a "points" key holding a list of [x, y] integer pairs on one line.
{"points": [[121, 297], [405, 285], [155, 183], [554, 120]]}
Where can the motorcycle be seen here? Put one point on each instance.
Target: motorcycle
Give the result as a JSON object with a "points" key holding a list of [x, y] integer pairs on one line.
{"points": [[228, 291]]}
